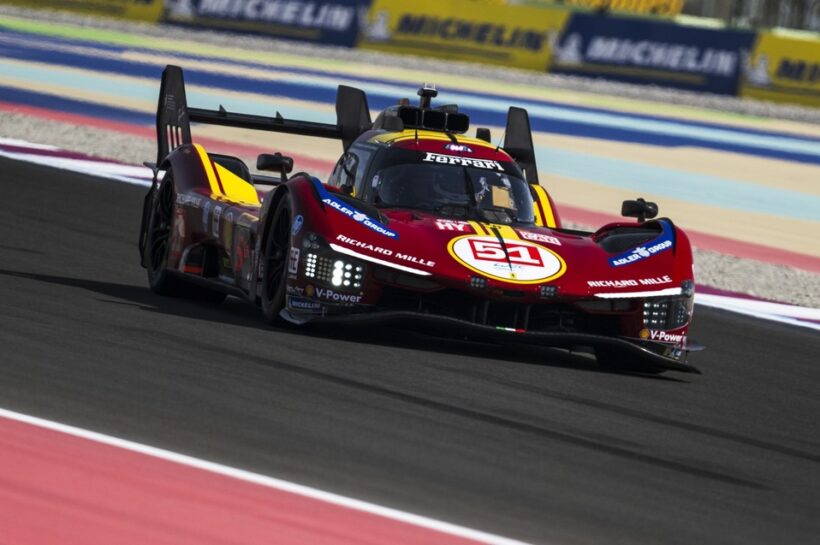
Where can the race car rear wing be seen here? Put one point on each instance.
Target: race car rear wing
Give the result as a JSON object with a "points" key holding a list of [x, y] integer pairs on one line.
{"points": [[518, 142], [174, 117]]}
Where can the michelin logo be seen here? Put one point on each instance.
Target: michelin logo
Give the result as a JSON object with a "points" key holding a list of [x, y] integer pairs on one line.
{"points": [[301, 303], [473, 33], [378, 30], [645, 54], [337, 17], [569, 53], [756, 71]]}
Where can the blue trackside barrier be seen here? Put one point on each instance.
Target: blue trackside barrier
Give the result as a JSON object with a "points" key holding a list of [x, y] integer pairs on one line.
{"points": [[652, 52], [335, 22]]}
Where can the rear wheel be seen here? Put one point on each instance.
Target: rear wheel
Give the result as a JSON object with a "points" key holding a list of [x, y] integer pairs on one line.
{"points": [[158, 244], [160, 223], [274, 261]]}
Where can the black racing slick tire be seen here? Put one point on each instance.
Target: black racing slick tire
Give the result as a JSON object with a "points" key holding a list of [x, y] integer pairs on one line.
{"points": [[274, 262], [157, 246], [158, 239]]}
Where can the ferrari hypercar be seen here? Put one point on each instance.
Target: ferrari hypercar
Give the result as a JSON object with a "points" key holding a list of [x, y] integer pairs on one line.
{"points": [[418, 225]]}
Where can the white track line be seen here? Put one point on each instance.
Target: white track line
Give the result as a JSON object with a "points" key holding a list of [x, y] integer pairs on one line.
{"points": [[262, 480], [26, 144], [129, 174], [776, 312]]}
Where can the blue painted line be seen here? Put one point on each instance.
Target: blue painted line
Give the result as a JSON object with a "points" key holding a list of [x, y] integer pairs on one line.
{"points": [[101, 83], [57, 103], [553, 109], [674, 184], [147, 90], [801, 150]]}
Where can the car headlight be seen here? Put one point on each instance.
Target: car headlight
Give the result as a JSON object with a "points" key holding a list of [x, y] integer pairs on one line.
{"points": [[324, 265], [667, 313], [347, 274]]}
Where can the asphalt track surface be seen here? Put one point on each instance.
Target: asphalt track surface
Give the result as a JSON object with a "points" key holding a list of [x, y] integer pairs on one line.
{"points": [[529, 443]]}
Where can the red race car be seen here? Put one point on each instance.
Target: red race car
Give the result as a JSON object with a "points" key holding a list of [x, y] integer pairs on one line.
{"points": [[417, 225]]}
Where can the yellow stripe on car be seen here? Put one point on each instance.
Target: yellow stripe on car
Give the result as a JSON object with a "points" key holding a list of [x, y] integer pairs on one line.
{"points": [[505, 231], [209, 170], [236, 189], [411, 134], [233, 188], [543, 199], [478, 228]]}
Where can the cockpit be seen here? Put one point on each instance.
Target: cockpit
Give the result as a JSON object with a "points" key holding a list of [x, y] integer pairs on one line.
{"points": [[453, 186]]}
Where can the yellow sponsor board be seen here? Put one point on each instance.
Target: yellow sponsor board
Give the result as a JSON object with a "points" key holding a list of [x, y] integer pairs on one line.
{"points": [[783, 69], [464, 30], [143, 10], [667, 8]]}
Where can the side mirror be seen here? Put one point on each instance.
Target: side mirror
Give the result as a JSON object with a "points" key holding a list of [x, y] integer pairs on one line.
{"points": [[275, 163], [640, 209]]}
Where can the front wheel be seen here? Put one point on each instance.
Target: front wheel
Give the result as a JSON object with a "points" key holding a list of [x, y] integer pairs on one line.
{"points": [[274, 261]]}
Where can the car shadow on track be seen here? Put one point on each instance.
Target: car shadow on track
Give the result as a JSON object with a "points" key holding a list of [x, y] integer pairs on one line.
{"points": [[510, 352], [143, 298], [240, 313]]}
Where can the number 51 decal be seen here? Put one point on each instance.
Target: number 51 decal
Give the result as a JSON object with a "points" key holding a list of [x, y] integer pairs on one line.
{"points": [[489, 250]]}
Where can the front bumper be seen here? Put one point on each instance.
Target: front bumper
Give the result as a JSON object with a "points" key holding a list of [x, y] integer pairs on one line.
{"points": [[556, 339]]}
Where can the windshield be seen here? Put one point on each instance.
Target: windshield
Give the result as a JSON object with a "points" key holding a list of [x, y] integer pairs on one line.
{"points": [[459, 187]]}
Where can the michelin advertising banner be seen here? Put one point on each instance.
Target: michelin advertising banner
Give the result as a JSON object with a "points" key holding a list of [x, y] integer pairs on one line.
{"points": [[464, 30], [143, 10], [334, 22], [783, 69], [652, 52]]}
